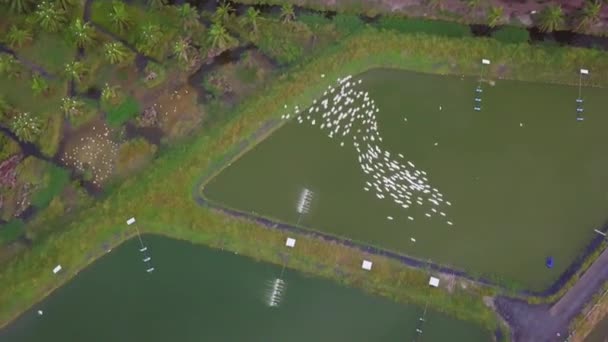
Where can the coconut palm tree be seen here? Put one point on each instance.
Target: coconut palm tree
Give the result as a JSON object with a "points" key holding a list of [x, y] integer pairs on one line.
{"points": [[66, 4], [189, 16], [551, 18], [71, 107], [287, 13], [495, 15], [589, 14], [149, 39], [183, 51], [39, 85], [115, 52], [156, 4], [110, 94], [218, 36], [49, 16], [251, 18], [120, 17], [75, 70], [18, 6], [9, 66], [222, 12], [25, 126], [17, 37], [82, 33]]}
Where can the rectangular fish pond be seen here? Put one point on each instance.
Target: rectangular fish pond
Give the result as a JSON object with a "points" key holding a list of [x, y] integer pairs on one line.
{"points": [[403, 161], [199, 294]]}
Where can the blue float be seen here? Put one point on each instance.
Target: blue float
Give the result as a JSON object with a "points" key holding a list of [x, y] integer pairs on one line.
{"points": [[549, 262]]}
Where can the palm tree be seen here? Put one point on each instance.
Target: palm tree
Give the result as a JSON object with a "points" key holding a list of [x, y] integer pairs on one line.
{"points": [[251, 18], [115, 52], [119, 16], [222, 12], [110, 94], [49, 16], [18, 6], [26, 127], [149, 39], [156, 4], [75, 70], [82, 33], [495, 16], [589, 14], [189, 16], [473, 5], [551, 18], [17, 37], [9, 66], [65, 4], [218, 36], [287, 13], [39, 85], [71, 107], [183, 51]]}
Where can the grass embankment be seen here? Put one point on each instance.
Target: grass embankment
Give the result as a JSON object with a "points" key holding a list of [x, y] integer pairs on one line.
{"points": [[596, 310], [161, 197]]}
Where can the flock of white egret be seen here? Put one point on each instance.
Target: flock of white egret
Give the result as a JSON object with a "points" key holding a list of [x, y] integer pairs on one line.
{"points": [[349, 114]]}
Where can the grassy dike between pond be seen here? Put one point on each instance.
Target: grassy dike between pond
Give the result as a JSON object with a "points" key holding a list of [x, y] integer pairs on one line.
{"points": [[161, 196]]}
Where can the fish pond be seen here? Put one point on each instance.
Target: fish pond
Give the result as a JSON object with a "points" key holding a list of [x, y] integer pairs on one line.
{"points": [[199, 294], [403, 161]]}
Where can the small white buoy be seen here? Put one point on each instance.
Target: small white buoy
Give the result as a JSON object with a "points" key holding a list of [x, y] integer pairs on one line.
{"points": [[440, 107], [413, 240], [521, 124], [322, 75], [40, 313], [290, 242], [436, 144], [390, 218]]}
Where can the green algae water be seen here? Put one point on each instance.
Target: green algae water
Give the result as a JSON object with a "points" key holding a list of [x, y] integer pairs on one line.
{"points": [[199, 294], [600, 333], [525, 180]]}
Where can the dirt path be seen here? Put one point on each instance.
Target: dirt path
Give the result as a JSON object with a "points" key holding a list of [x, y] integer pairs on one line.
{"points": [[546, 323]]}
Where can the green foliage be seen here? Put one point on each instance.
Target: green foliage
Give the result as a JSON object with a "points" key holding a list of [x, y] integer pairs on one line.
{"points": [[39, 85], [11, 231], [111, 95], [157, 70], [551, 18], [66, 5], [53, 184], [49, 16], [287, 13], [589, 14], [134, 154], [251, 19], [115, 52], [122, 113], [189, 17], [157, 4], [247, 74], [348, 23], [7, 147], [26, 126], [51, 135], [439, 28], [511, 34], [495, 16], [31, 170], [9, 66], [218, 36], [72, 107], [76, 70], [17, 37], [222, 13], [149, 40]]}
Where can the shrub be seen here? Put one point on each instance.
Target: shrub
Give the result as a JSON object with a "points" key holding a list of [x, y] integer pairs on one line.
{"points": [[122, 113], [511, 34], [51, 136], [54, 182], [314, 20], [348, 23], [7, 147], [134, 154], [438, 28]]}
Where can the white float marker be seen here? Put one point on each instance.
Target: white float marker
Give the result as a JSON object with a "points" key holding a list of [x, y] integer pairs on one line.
{"points": [[367, 265], [143, 248], [579, 101], [290, 242]]}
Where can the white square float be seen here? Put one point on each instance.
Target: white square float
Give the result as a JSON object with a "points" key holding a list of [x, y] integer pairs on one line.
{"points": [[366, 265], [485, 61], [131, 221], [434, 282], [290, 242], [57, 269], [585, 71]]}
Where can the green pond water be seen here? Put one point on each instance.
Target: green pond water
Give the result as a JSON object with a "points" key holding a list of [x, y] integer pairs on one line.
{"points": [[199, 294], [600, 333], [525, 180]]}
